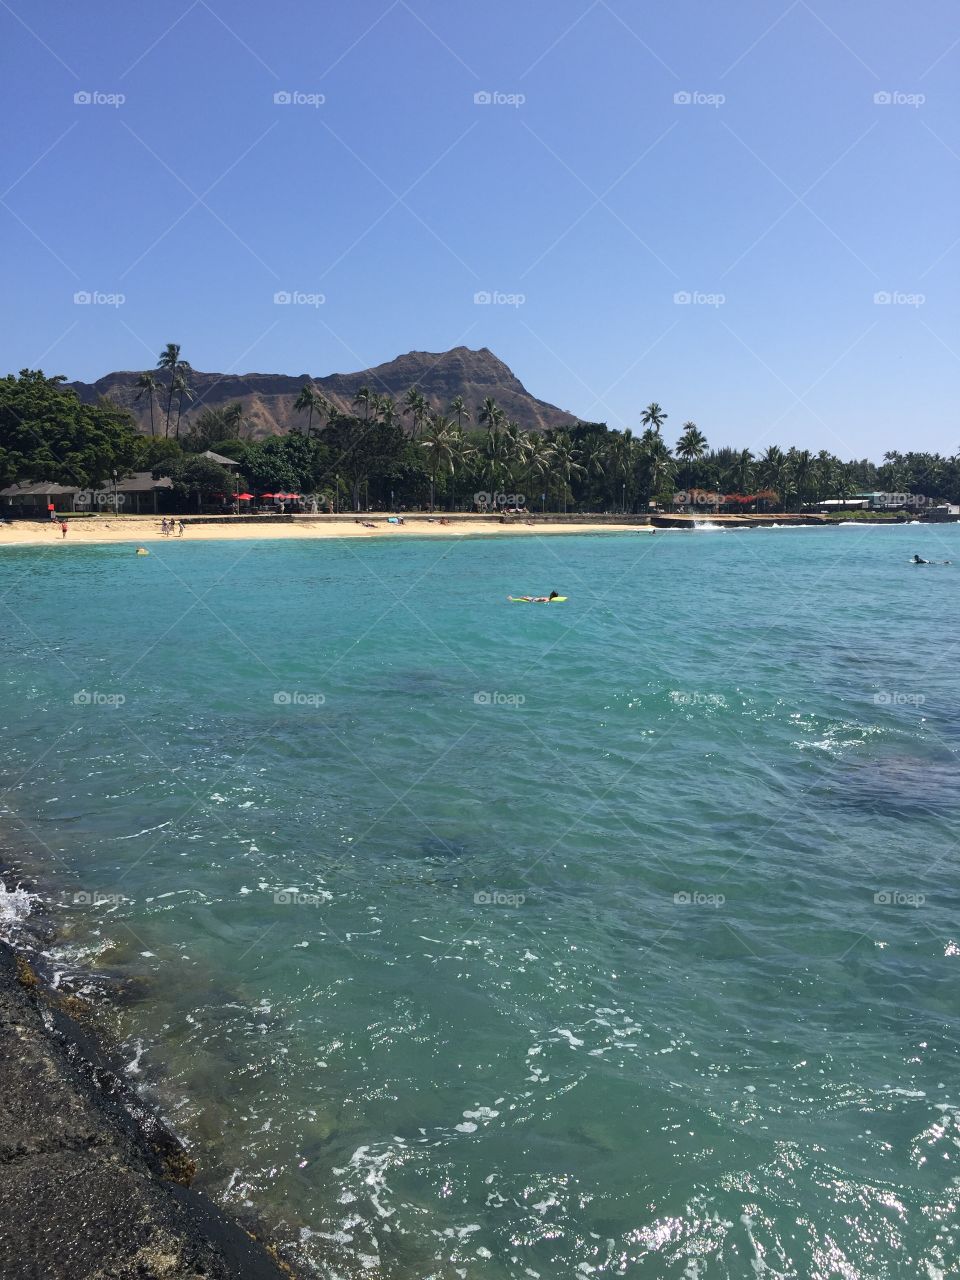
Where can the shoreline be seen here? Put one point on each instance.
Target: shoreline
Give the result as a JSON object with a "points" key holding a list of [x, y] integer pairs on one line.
{"points": [[92, 1179], [104, 530]]}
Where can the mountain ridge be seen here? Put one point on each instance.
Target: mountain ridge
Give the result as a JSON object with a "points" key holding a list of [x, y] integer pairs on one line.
{"points": [[268, 398]]}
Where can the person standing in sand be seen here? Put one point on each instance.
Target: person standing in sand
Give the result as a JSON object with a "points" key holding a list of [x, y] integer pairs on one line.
{"points": [[63, 528], [179, 528]]}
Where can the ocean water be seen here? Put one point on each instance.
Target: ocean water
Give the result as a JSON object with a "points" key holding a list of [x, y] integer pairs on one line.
{"points": [[481, 940]]}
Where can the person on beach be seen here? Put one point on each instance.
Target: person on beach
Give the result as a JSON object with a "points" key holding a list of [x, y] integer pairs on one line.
{"points": [[63, 527], [179, 528]]}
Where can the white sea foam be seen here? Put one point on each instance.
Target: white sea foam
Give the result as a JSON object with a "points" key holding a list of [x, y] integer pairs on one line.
{"points": [[482, 1113], [15, 905], [374, 1169], [569, 1037], [133, 1066], [144, 832]]}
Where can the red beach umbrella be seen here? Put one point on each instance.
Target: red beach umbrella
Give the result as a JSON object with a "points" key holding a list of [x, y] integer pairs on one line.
{"points": [[244, 497], [268, 495]]}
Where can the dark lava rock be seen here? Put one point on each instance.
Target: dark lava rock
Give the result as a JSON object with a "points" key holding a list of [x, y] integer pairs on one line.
{"points": [[88, 1177]]}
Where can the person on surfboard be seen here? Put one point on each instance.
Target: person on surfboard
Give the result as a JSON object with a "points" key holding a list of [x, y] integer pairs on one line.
{"points": [[554, 595]]}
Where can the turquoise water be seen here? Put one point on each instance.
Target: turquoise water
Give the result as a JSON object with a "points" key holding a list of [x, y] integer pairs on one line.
{"points": [[617, 937]]}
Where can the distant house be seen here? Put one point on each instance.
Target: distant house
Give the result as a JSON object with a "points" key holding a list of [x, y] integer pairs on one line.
{"points": [[35, 498], [881, 501], [874, 501], [141, 485], [218, 457], [826, 505], [136, 492]]}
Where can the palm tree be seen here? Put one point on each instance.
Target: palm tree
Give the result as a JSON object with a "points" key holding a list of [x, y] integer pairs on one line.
{"points": [[170, 360], [440, 445], [458, 407], [323, 408], [621, 450], [183, 392], [772, 471], [843, 485], [565, 462], [233, 417], [691, 447], [593, 459], [742, 471], [656, 463], [415, 404], [823, 476], [147, 385], [495, 467], [462, 454], [539, 456], [516, 448], [364, 396], [308, 400], [803, 472], [653, 416], [491, 415], [387, 410]]}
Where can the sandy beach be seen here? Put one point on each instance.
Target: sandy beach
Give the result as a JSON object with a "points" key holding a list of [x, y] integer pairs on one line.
{"points": [[94, 530]]}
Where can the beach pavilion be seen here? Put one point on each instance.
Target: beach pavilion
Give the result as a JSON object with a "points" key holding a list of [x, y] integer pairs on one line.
{"points": [[138, 491]]}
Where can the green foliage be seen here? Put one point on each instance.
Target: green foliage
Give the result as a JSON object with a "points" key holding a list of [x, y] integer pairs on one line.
{"points": [[235, 450], [291, 464], [176, 371], [47, 434], [212, 425], [197, 477], [156, 451], [364, 453]]}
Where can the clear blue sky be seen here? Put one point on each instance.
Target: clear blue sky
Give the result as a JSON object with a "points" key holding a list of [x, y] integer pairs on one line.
{"points": [[797, 199]]}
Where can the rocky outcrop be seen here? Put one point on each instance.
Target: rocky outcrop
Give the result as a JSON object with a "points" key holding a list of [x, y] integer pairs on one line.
{"points": [[93, 1187], [268, 398]]}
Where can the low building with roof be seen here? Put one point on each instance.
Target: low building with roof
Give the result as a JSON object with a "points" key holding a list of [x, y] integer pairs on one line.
{"points": [[219, 458], [135, 493]]}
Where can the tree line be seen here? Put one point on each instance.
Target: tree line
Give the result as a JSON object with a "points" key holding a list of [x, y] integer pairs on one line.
{"points": [[407, 452]]}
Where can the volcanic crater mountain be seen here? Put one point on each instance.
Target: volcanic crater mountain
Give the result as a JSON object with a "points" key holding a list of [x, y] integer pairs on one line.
{"points": [[268, 398]]}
